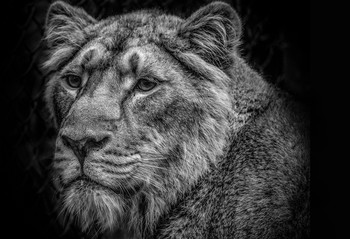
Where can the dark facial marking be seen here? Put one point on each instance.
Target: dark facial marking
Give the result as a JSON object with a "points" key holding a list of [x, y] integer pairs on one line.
{"points": [[133, 61], [173, 156], [175, 115], [91, 83], [62, 103]]}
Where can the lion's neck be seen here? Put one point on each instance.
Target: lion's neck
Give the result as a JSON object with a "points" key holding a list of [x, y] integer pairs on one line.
{"points": [[250, 94]]}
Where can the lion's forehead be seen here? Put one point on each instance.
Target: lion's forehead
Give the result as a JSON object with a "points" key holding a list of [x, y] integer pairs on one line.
{"points": [[135, 62], [127, 43], [97, 55]]}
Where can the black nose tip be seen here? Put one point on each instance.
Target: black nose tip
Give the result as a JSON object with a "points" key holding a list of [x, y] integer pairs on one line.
{"points": [[83, 146]]}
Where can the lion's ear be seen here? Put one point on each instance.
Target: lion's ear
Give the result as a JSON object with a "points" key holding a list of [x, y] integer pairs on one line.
{"points": [[65, 23], [213, 31]]}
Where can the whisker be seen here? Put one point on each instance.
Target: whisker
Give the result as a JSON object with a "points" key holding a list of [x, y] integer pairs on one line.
{"points": [[149, 181], [154, 166], [157, 155], [124, 189]]}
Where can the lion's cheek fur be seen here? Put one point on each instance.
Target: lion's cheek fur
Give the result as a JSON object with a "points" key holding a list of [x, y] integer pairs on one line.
{"points": [[175, 116]]}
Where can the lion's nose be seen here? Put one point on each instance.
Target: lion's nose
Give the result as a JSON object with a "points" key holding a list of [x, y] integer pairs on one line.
{"points": [[82, 147]]}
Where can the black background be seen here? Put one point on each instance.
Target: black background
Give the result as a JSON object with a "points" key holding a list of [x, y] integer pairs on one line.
{"points": [[276, 42]]}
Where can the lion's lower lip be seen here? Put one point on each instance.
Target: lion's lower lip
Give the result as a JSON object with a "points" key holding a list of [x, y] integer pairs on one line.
{"points": [[86, 180], [90, 183]]}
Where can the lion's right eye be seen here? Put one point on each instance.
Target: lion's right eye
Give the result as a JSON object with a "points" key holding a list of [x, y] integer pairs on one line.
{"points": [[145, 84], [73, 81]]}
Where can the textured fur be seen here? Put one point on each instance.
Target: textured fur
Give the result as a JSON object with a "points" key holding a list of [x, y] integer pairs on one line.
{"points": [[213, 151]]}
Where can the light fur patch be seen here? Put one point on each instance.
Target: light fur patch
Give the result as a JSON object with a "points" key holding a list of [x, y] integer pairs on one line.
{"points": [[133, 60], [92, 55]]}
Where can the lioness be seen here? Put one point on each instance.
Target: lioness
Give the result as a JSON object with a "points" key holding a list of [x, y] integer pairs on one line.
{"points": [[164, 131]]}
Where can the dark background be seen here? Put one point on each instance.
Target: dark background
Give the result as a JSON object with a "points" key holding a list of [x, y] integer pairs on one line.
{"points": [[276, 42]]}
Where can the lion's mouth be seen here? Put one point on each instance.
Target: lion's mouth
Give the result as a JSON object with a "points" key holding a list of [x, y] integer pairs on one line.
{"points": [[85, 182]]}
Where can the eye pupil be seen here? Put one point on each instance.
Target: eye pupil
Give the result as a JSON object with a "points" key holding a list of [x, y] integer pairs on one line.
{"points": [[146, 85], [73, 81]]}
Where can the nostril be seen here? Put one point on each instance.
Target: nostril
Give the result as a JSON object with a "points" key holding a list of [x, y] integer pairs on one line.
{"points": [[68, 142], [75, 145]]}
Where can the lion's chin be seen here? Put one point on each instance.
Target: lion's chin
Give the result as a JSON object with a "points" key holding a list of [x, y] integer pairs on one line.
{"points": [[94, 205]]}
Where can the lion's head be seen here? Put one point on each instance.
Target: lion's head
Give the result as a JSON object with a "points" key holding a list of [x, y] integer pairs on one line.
{"points": [[141, 105]]}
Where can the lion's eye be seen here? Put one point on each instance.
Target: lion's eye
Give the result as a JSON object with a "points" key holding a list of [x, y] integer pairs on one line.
{"points": [[73, 81], [145, 85]]}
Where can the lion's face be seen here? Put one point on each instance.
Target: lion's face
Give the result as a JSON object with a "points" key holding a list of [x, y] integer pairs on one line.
{"points": [[136, 126], [125, 127]]}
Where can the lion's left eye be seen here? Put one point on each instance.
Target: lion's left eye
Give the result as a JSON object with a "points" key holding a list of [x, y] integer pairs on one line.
{"points": [[73, 81], [145, 84]]}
